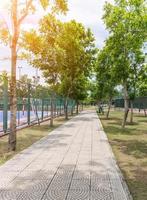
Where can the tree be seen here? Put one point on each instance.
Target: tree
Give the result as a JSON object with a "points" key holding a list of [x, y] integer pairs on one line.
{"points": [[136, 61], [65, 54], [3, 77], [79, 89], [105, 77], [78, 46], [19, 11], [92, 92], [141, 84], [126, 22], [22, 86], [45, 53]]}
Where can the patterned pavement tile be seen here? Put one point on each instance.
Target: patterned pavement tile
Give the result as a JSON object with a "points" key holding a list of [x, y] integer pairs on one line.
{"points": [[75, 162]]}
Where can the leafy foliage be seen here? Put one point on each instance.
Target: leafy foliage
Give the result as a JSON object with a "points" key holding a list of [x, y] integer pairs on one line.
{"points": [[127, 24], [121, 60], [65, 52]]}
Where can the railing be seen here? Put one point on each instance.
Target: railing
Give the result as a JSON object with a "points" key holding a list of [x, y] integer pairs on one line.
{"points": [[34, 105], [138, 102]]}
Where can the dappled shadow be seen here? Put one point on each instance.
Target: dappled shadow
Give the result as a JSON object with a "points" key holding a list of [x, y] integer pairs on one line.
{"points": [[127, 123], [143, 120], [81, 119], [41, 127], [140, 115], [111, 118], [118, 130], [132, 123], [57, 136], [137, 182], [64, 182], [69, 125], [136, 148], [44, 127]]}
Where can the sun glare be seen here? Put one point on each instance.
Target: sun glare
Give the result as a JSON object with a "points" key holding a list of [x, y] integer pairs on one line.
{"points": [[4, 3]]}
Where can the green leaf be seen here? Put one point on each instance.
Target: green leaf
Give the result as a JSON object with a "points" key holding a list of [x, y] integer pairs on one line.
{"points": [[44, 3]]}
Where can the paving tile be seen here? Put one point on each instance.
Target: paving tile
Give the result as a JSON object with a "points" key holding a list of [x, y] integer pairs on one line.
{"points": [[74, 162], [78, 194], [55, 194], [7, 194], [34, 190]]}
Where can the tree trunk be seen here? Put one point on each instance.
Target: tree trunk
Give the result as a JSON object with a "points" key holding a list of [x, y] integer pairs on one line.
{"points": [[66, 109], [82, 107], [126, 102], [60, 110], [55, 110], [13, 100], [109, 107], [52, 112], [145, 112], [72, 111], [131, 116], [77, 108]]}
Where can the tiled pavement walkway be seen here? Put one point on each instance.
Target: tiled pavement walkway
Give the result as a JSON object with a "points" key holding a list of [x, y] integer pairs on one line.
{"points": [[74, 162]]}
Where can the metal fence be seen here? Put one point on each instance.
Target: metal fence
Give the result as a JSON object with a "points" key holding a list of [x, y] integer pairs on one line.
{"points": [[138, 102], [34, 105]]}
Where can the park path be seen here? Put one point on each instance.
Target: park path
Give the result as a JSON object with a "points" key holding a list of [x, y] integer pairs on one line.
{"points": [[74, 162]]}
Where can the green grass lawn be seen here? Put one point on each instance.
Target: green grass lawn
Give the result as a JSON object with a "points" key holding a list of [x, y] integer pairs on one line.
{"points": [[27, 137], [130, 148]]}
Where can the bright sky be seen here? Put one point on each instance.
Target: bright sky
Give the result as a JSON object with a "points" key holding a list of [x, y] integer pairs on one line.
{"points": [[89, 12]]}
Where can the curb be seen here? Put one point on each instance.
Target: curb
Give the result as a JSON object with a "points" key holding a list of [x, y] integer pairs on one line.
{"points": [[115, 163]]}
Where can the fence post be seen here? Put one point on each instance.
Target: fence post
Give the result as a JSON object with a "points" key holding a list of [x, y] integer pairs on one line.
{"points": [[60, 101], [66, 108], [54, 105], [57, 106], [77, 108], [5, 103], [18, 111], [52, 111], [72, 107], [29, 103], [42, 110]]}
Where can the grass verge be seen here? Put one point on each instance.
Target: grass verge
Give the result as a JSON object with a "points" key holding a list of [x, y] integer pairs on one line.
{"points": [[130, 148], [26, 137]]}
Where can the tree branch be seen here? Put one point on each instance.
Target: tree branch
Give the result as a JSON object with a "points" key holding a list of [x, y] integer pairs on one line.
{"points": [[26, 10], [7, 28]]}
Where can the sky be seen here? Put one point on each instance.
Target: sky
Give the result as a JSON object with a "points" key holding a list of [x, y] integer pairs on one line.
{"points": [[88, 12]]}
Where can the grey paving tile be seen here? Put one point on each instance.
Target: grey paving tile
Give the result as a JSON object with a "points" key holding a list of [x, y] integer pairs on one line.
{"points": [[34, 190], [101, 194], [55, 194], [78, 194], [7, 194], [74, 162]]}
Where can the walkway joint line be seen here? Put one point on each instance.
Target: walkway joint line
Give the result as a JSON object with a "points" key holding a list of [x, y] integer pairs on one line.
{"points": [[75, 161]]}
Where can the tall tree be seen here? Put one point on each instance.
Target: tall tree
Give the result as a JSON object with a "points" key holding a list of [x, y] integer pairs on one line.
{"points": [[105, 77], [64, 52], [78, 45], [127, 24], [42, 49], [141, 84], [19, 11]]}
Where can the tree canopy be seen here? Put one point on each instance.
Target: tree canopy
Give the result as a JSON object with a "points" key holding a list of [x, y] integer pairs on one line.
{"points": [[122, 58], [65, 52]]}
